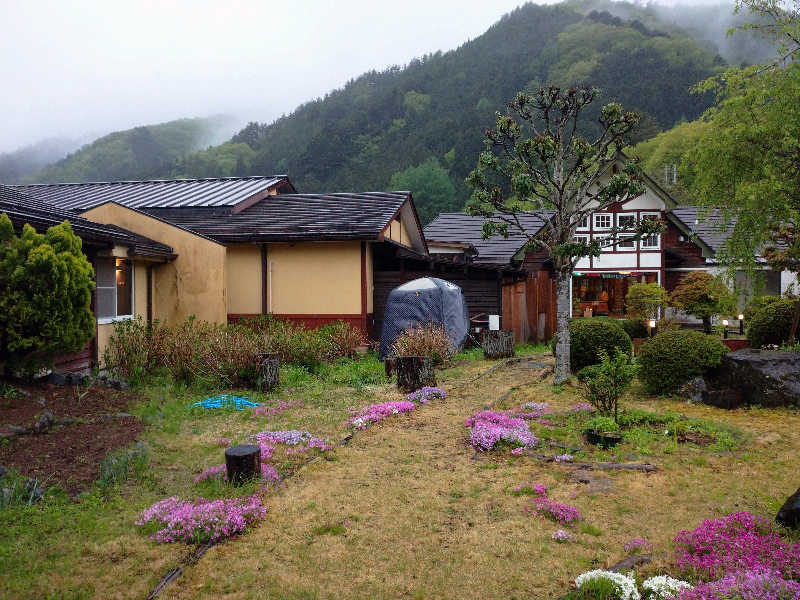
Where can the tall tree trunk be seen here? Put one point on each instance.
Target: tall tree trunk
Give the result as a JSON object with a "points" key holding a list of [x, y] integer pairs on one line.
{"points": [[563, 314], [795, 322]]}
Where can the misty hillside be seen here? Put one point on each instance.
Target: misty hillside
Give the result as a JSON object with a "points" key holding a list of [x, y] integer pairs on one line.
{"points": [[420, 127], [16, 165], [138, 153]]}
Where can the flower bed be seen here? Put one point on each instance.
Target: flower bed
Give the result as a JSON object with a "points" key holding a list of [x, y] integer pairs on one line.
{"points": [[489, 427], [199, 521], [378, 412], [760, 584]]}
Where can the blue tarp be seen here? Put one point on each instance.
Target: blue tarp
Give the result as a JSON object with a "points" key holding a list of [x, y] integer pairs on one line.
{"points": [[224, 401]]}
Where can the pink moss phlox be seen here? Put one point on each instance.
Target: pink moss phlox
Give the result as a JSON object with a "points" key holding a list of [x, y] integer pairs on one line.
{"points": [[758, 584], [197, 521], [555, 511], [739, 542], [517, 451], [563, 458], [378, 412], [300, 439], [273, 411], [638, 544], [489, 427], [581, 407], [536, 408], [562, 536]]}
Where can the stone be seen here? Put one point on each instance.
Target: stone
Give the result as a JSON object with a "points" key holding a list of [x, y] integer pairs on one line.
{"points": [[595, 482], [44, 422], [18, 429], [695, 390], [769, 378], [65, 421], [789, 514], [56, 379]]}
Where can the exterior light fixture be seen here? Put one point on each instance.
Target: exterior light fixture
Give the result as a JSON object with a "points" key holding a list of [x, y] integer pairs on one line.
{"points": [[741, 324], [652, 324]]}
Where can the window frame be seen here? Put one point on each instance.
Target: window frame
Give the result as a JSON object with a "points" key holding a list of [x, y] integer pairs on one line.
{"points": [[626, 214], [657, 236], [113, 319], [583, 227], [609, 247], [621, 248], [597, 227]]}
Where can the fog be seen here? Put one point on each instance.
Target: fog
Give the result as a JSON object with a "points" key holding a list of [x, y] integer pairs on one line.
{"points": [[87, 67]]}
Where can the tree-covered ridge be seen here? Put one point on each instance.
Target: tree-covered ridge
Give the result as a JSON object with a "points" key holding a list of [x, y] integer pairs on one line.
{"points": [[435, 109], [139, 153]]}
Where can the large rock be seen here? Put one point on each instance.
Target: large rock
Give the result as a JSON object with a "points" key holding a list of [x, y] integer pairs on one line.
{"points": [[789, 514], [769, 378]]}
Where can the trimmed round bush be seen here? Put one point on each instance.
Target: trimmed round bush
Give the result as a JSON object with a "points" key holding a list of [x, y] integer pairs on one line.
{"points": [[771, 323], [674, 357], [589, 336]]}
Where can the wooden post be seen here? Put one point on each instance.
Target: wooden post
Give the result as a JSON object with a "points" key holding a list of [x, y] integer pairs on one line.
{"points": [[242, 463], [498, 344], [268, 375], [414, 372]]}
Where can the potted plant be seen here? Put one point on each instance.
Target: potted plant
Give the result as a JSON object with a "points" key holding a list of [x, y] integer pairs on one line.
{"points": [[602, 385]]}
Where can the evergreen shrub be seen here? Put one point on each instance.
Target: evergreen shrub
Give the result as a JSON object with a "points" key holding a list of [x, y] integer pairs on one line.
{"points": [[771, 323], [674, 357], [588, 337]]}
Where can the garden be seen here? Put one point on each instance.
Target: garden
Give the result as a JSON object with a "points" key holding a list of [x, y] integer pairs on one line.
{"points": [[611, 485]]}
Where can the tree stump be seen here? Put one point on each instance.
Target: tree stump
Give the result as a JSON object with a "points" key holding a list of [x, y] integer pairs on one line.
{"points": [[414, 372], [388, 366], [267, 371], [242, 463], [498, 344]]}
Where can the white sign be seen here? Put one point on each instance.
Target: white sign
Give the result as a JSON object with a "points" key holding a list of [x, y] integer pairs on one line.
{"points": [[494, 322]]}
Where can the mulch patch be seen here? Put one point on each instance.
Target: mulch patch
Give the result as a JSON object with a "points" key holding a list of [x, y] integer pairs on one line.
{"points": [[63, 401], [67, 455], [70, 455]]}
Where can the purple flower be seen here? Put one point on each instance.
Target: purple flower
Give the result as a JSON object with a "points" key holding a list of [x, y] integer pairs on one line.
{"points": [[559, 458], [274, 411], [427, 394], [758, 584], [581, 406], [637, 544], [224, 442], [489, 427], [562, 536], [550, 509], [378, 412]]}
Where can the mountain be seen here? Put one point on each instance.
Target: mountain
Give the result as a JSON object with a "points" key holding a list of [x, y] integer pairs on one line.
{"points": [[139, 153], [388, 126], [16, 165]]}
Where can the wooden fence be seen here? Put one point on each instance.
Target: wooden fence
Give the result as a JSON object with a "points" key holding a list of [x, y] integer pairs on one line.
{"points": [[529, 308]]}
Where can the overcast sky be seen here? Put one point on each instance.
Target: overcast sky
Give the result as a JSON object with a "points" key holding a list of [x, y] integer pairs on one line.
{"points": [[77, 67]]}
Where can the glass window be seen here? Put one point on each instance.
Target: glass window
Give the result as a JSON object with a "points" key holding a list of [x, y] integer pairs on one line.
{"points": [[626, 221], [581, 238], [626, 242], [584, 223], [602, 221], [606, 243], [114, 288], [651, 242]]}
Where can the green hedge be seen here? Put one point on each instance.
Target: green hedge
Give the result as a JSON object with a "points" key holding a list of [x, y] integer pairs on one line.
{"points": [[771, 323], [674, 357], [589, 336]]}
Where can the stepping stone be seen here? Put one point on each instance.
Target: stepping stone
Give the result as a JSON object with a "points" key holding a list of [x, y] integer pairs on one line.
{"points": [[596, 483]]}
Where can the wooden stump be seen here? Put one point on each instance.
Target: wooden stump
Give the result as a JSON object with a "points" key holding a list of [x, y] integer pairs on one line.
{"points": [[388, 366], [498, 344], [242, 463], [414, 372], [267, 371]]}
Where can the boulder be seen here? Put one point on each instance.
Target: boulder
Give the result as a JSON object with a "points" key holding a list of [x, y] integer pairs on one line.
{"points": [[43, 422], [56, 378], [695, 390], [769, 378], [789, 514]]}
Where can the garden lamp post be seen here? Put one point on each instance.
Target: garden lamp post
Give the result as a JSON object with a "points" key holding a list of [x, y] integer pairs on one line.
{"points": [[741, 324], [652, 325], [725, 329]]}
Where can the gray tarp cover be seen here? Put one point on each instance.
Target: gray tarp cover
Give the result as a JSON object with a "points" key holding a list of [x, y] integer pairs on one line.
{"points": [[423, 301]]}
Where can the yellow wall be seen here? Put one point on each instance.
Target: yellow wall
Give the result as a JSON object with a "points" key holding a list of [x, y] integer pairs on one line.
{"points": [[370, 280], [192, 284], [244, 274], [315, 278], [397, 232]]}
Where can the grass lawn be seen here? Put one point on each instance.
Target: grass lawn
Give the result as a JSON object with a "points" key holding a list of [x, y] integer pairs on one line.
{"points": [[407, 508]]}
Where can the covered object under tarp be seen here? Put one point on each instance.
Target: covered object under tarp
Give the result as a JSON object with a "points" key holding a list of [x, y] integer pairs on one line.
{"points": [[422, 301]]}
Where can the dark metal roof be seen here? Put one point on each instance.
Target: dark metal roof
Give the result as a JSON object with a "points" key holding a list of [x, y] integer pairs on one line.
{"points": [[23, 208], [461, 227], [294, 217], [711, 228], [160, 193]]}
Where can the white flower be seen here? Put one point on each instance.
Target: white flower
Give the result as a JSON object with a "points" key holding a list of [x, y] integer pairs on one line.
{"points": [[626, 585], [663, 587], [395, 411], [358, 422]]}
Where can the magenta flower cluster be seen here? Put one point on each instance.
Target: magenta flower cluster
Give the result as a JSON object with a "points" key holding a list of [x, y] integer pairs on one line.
{"points": [[427, 394], [759, 584], [199, 521], [224, 442], [582, 407], [378, 412], [489, 427], [274, 411], [542, 506], [637, 545], [740, 542], [562, 536], [532, 410]]}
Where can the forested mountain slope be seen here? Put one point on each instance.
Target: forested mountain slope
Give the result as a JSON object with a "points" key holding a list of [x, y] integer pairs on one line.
{"points": [[138, 153], [424, 120]]}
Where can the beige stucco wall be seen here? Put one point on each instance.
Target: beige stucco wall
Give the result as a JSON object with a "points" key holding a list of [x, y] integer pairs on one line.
{"points": [[192, 284], [397, 232], [315, 278], [370, 280], [244, 274]]}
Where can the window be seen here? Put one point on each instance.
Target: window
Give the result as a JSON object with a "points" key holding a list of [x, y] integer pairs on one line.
{"points": [[114, 289], [584, 223], [626, 243], [581, 239], [651, 242], [626, 221], [606, 243], [602, 221]]}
